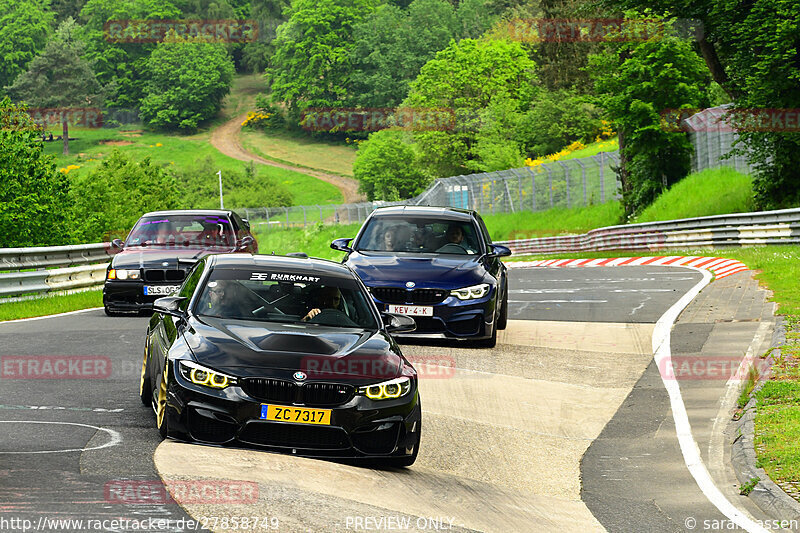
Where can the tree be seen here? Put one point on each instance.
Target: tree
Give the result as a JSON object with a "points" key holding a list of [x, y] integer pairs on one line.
{"points": [[751, 50], [187, 79], [464, 79], [121, 63], [312, 63], [637, 81], [24, 27], [386, 168], [34, 202], [59, 77], [556, 119]]}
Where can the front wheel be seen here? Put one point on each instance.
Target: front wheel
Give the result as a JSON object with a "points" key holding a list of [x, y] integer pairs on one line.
{"points": [[145, 387], [502, 320], [162, 421]]}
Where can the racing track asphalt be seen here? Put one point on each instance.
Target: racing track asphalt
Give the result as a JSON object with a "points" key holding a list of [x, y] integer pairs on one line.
{"points": [[503, 433]]}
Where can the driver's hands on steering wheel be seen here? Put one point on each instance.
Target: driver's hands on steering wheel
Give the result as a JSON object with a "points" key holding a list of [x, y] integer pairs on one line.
{"points": [[311, 314]]}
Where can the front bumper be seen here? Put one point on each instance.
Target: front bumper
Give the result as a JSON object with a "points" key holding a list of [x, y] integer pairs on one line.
{"points": [[129, 295], [453, 318], [360, 428]]}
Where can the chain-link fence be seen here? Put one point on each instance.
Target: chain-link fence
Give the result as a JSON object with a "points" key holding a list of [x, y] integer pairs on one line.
{"points": [[571, 183], [713, 139]]}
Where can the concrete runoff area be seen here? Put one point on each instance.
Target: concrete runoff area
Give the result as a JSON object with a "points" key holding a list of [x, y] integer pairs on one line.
{"points": [[503, 436]]}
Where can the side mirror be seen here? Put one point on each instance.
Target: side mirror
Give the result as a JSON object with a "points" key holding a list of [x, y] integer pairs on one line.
{"points": [[246, 223], [169, 305], [497, 250], [343, 245], [117, 244], [246, 242], [395, 323]]}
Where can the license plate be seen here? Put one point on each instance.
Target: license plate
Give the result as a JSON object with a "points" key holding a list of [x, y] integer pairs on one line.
{"points": [[299, 415], [411, 310], [160, 290]]}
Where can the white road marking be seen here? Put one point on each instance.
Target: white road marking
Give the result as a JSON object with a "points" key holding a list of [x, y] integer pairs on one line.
{"points": [[689, 448], [116, 438], [50, 316]]}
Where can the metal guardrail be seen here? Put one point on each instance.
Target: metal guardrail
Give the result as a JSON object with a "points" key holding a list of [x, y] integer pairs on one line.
{"points": [[30, 270], [740, 229]]}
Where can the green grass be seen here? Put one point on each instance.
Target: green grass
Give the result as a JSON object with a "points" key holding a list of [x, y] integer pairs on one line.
{"points": [[594, 148], [301, 150], [527, 225], [710, 192], [51, 305], [315, 240]]}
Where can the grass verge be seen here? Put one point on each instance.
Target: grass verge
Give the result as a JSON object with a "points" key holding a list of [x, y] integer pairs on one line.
{"points": [[315, 240], [301, 150], [714, 191], [51, 305]]}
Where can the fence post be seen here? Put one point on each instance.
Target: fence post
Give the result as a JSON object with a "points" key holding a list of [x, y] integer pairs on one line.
{"points": [[602, 178], [583, 174], [566, 179], [533, 189], [305, 219], [287, 216], [266, 212], [549, 182]]}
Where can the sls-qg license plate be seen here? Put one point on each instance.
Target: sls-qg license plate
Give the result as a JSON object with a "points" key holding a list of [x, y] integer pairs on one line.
{"points": [[160, 290], [411, 310]]}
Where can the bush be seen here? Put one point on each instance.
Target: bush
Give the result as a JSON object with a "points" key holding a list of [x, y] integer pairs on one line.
{"points": [[386, 167], [109, 200], [187, 80]]}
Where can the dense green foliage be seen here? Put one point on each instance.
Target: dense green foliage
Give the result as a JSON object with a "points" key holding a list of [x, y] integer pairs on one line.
{"points": [[187, 78], [34, 203], [109, 200], [59, 77], [637, 81], [387, 167], [312, 63], [24, 27]]}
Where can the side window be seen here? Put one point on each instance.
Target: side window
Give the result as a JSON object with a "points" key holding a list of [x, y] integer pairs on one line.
{"points": [[238, 225], [192, 279]]}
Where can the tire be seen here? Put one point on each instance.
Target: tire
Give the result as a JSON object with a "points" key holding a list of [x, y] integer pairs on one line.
{"points": [[502, 320], [162, 420], [145, 387]]}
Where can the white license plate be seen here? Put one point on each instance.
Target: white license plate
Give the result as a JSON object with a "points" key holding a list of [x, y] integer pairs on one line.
{"points": [[411, 310], [160, 290]]}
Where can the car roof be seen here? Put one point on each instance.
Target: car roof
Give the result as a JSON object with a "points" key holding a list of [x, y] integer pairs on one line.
{"points": [[300, 265], [447, 213], [213, 212]]}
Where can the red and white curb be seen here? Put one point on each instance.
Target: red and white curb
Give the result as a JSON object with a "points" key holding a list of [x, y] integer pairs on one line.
{"points": [[719, 266]]}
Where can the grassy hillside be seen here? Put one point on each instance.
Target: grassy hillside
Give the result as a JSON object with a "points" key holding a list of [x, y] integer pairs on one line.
{"points": [[302, 150], [711, 192]]}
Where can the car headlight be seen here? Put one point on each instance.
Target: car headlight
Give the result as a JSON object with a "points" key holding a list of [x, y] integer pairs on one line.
{"points": [[200, 375], [388, 390], [471, 293], [123, 274]]}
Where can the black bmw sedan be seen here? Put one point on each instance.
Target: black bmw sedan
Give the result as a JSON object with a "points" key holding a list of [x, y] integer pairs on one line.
{"points": [[284, 353]]}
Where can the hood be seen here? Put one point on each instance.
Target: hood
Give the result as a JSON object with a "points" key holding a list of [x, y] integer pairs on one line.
{"points": [[264, 349], [155, 257], [436, 271]]}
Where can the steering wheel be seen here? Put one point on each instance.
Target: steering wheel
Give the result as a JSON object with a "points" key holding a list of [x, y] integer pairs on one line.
{"points": [[333, 317], [452, 248]]}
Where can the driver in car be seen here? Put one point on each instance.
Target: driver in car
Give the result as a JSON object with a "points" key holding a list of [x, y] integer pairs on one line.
{"points": [[221, 299], [328, 298]]}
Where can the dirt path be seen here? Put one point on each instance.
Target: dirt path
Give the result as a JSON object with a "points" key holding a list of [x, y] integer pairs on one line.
{"points": [[226, 139]]}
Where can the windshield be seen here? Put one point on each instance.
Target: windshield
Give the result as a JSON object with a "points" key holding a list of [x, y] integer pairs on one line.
{"points": [[182, 230], [285, 297], [418, 235]]}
